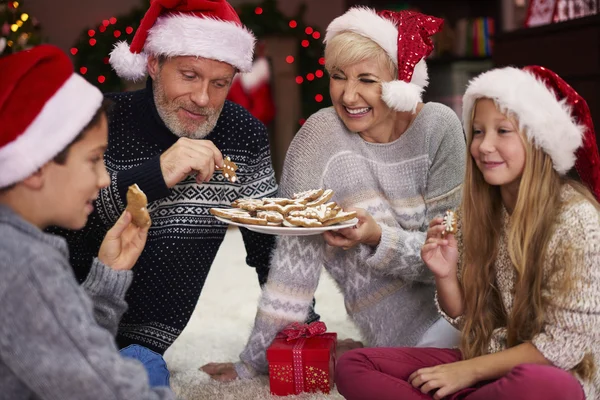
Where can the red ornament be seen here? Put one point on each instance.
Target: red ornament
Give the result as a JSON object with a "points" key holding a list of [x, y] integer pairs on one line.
{"points": [[101, 79], [117, 33], [293, 24], [74, 50], [319, 98], [302, 121], [113, 20], [129, 30], [316, 35], [322, 60], [83, 70], [310, 76], [106, 22], [102, 28], [92, 42], [299, 80], [305, 43], [106, 60], [91, 33], [289, 59], [308, 30], [258, 10], [319, 73]]}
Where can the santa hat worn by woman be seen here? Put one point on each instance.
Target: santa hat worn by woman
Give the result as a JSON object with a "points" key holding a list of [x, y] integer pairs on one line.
{"points": [[405, 36], [43, 107], [551, 113], [201, 28]]}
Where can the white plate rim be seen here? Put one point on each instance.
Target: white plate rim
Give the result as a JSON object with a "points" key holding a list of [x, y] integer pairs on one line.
{"points": [[289, 231]]}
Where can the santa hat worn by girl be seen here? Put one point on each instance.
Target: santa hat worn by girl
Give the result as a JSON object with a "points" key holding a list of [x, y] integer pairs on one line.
{"points": [[201, 28], [405, 36], [552, 114], [43, 107]]}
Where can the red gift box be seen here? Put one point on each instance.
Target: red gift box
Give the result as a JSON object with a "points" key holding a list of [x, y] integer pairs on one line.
{"points": [[302, 359]]}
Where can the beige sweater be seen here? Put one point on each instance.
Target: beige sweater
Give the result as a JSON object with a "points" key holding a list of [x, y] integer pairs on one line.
{"points": [[572, 327]]}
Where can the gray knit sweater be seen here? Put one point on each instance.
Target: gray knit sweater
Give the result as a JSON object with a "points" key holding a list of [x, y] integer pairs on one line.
{"points": [[388, 291], [57, 338]]}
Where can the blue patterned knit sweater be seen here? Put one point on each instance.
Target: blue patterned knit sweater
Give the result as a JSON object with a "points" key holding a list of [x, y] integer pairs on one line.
{"points": [[184, 237]]}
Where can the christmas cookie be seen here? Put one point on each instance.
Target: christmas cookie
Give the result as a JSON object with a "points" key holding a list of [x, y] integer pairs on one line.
{"points": [[301, 221], [229, 169], [308, 196], [273, 217], [248, 204], [449, 222], [136, 205], [250, 220], [323, 198], [340, 217], [229, 213]]}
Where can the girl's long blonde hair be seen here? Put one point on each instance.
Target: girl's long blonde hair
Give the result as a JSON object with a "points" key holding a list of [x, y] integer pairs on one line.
{"points": [[532, 226]]}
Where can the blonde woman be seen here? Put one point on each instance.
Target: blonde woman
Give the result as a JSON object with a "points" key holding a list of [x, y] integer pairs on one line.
{"points": [[522, 277], [399, 162]]}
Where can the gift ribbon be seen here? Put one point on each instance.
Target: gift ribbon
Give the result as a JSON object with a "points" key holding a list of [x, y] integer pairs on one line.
{"points": [[300, 332]]}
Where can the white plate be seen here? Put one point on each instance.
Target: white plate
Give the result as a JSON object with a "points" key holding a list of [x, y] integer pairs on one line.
{"points": [[289, 231]]}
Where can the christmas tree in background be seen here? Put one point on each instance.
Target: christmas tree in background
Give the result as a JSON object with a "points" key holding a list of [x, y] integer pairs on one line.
{"points": [[91, 52], [18, 29]]}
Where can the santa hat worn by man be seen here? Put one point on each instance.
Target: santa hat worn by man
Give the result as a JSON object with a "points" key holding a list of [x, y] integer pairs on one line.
{"points": [[405, 36], [551, 113], [202, 28], [43, 107]]}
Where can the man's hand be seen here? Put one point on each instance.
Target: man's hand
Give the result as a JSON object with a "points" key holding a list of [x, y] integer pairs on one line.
{"points": [[367, 231], [445, 379], [123, 244], [222, 372], [189, 156]]}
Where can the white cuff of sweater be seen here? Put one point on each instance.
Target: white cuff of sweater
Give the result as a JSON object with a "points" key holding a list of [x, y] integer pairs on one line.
{"points": [[245, 371]]}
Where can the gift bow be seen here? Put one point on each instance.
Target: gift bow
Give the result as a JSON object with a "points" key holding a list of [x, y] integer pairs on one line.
{"points": [[297, 330]]}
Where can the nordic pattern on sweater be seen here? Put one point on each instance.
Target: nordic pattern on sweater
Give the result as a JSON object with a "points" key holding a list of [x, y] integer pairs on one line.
{"points": [[388, 291], [184, 237], [57, 338], [572, 327]]}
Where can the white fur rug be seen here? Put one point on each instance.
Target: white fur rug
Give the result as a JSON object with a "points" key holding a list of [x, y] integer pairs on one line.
{"points": [[221, 324]]}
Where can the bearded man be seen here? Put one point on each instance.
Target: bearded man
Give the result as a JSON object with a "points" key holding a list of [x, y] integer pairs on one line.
{"points": [[168, 138]]}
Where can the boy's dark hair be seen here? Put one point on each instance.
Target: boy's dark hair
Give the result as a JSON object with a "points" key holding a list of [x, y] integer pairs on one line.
{"points": [[61, 157]]}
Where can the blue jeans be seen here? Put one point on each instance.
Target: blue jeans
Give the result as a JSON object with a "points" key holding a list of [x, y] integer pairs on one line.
{"points": [[155, 365]]}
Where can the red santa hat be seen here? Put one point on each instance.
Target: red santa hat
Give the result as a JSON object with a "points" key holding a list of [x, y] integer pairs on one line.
{"points": [[43, 107], [405, 36], [201, 28], [552, 114]]}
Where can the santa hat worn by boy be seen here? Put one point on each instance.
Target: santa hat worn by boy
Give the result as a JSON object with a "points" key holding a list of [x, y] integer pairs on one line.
{"points": [[405, 36], [552, 114], [43, 107], [200, 28]]}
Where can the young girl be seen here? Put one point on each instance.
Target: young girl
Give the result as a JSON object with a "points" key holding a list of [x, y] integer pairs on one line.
{"points": [[521, 279]]}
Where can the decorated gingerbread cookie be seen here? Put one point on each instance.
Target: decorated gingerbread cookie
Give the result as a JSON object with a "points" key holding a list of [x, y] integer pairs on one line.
{"points": [[449, 222], [229, 169]]}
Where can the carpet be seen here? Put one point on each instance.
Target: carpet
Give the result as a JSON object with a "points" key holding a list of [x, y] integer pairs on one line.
{"points": [[221, 323]]}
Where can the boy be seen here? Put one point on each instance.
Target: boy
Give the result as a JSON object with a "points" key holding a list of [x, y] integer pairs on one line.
{"points": [[57, 338]]}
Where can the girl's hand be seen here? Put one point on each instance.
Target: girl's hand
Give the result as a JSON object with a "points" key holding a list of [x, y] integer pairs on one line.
{"points": [[445, 379], [440, 254], [366, 231], [123, 244]]}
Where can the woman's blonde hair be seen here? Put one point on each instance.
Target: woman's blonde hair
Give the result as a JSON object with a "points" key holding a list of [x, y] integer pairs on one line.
{"points": [[349, 48], [532, 226]]}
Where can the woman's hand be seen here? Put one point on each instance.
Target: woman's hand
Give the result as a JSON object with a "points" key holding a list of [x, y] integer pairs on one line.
{"points": [[440, 254], [123, 244], [445, 379], [222, 372], [366, 231]]}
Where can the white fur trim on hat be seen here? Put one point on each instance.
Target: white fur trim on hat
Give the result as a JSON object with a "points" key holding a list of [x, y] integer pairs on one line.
{"points": [[261, 73], [189, 35], [401, 96], [128, 65], [546, 121], [62, 118]]}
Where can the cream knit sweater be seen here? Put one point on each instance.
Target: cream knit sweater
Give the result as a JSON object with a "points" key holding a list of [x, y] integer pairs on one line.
{"points": [[572, 328]]}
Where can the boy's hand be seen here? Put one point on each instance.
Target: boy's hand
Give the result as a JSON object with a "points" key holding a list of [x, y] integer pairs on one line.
{"points": [[123, 244]]}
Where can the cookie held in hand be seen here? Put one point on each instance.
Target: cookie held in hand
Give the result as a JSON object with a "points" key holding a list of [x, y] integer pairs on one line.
{"points": [[136, 205], [229, 169], [449, 222]]}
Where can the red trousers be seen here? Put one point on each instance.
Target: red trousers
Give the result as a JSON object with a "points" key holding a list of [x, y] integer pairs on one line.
{"points": [[382, 374]]}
